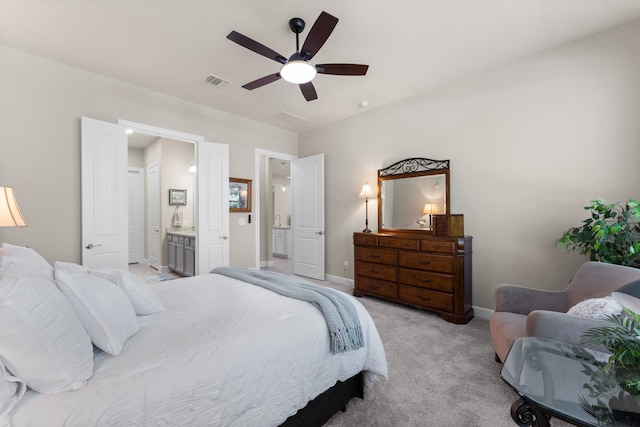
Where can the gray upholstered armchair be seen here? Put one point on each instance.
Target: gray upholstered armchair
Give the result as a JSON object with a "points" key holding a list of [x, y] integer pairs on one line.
{"points": [[531, 312]]}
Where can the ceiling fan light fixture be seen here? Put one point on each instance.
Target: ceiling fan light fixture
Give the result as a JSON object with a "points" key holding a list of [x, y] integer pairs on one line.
{"points": [[298, 72]]}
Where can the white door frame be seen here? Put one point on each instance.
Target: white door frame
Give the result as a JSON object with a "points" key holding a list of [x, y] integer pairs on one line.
{"points": [[260, 154]]}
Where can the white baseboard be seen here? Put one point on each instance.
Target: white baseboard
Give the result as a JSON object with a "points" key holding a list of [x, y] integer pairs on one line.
{"points": [[339, 280], [482, 313]]}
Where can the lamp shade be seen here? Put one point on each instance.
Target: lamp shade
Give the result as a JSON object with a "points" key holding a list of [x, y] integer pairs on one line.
{"points": [[430, 208], [629, 296], [10, 215], [367, 191]]}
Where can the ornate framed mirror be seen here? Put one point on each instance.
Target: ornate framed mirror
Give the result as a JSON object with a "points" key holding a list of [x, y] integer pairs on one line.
{"points": [[410, 192]]}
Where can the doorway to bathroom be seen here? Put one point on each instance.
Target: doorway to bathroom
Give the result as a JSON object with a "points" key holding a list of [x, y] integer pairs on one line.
{"points": [[281, 202]]}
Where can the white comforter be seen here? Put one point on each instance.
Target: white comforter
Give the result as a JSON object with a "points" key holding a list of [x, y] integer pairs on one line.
{"points": [[224, 353]]}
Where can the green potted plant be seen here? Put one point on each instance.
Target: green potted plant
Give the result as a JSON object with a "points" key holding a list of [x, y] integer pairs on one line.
{"points": [[611, 234], [618, 380], [622, 339]]}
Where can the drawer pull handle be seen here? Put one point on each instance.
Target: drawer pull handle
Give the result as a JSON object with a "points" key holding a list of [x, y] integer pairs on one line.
{"points": [[375, 287], [375, 271], [375, 256], [437, 246], [366, 240], [423, 298], [408, 244], [421, 262], [386, 242], [424, 280]]}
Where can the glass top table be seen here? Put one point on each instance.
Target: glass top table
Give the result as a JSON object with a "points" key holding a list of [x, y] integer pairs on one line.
{"points": [[555, 379]]}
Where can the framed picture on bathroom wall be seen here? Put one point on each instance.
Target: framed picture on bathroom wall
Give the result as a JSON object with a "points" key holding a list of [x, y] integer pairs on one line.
{"points": [[178, 197], [239, 195]]}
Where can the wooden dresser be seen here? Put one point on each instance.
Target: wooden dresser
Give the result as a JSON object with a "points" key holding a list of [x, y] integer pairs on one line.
{"points": [[423, 271]]}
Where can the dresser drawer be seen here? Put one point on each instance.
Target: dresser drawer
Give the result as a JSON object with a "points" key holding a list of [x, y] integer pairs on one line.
{"points": [[425, 297], [436, 246], [410, 244], [381, 256], [365, 240], [425, 279], [422, 261], [377, 271], [378, 287]]}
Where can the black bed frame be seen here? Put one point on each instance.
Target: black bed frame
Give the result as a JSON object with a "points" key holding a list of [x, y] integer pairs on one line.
{"points": [[322, 408]]}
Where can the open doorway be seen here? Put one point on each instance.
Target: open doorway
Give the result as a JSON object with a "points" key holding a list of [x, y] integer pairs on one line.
{"points": [[307, 213], [265, 216], [104, 194], [281, 203], [161, 164]]}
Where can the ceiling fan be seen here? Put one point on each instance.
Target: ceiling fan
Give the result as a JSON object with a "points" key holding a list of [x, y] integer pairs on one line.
{"points": [[297, 68]]}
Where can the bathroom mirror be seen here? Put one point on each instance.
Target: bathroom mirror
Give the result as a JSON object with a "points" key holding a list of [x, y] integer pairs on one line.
{"points": [[410, 192]]}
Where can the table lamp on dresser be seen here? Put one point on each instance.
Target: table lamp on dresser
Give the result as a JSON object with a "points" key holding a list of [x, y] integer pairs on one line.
{"points": [[366, 192]]}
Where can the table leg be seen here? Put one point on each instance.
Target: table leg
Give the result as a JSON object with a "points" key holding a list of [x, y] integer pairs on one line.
{"points": [[526, 415]]}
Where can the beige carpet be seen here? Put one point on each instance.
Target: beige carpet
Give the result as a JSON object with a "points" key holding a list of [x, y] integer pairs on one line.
{"points": [[440, 374]]}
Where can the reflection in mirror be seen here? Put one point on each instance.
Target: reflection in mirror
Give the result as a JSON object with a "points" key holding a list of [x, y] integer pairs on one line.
{"points": [[411, 192], [411, 202]]}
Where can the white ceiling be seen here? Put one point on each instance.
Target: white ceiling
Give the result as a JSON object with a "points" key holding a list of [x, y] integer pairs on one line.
{"points": [[412, 46]]}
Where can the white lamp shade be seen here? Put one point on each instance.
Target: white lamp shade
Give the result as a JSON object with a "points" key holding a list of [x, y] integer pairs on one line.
{"points": [[367, 191], [10, 215], [298, 72]]}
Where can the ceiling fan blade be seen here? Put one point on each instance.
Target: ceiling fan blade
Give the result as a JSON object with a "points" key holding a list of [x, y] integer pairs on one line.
{"points": [[255, 46], [262, 81], [342, 69], [308, 91], [318, 35]]}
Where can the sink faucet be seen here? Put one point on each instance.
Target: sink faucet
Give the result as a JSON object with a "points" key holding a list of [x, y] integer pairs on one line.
{"points": [[279, 220]]}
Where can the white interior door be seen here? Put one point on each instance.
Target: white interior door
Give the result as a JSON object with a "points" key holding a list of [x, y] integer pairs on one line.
{"points": [[104, 194], [135, 191], [153, 215], [307, 183], [212, 220]]}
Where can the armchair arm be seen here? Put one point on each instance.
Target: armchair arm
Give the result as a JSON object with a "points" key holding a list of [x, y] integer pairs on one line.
{"points": [[518, 299], [561, 327]]}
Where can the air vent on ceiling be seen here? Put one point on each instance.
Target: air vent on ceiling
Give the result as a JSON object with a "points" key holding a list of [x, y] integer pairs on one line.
{"points": [[292, 118], [215, 81]]}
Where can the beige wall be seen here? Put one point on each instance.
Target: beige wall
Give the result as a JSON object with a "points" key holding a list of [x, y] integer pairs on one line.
{"points": [[530, 143], [41, 103]]}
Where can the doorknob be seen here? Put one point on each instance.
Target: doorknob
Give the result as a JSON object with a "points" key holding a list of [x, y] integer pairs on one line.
{"points": [[91, 246], [223, 237], [320, 233]]}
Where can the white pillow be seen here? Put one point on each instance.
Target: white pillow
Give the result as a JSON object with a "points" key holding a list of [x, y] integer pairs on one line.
{"points": [[596, 308], [42, 341], [70, 267], [142, 297], [21, 261], [103, 309], [11, 390]]}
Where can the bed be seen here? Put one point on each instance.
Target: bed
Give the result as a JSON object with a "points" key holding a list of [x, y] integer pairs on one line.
{"points": [[222, 352]]}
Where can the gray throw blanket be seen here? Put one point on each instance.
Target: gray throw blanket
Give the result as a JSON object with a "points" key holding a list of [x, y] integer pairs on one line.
{"points": [[341, 316]]}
